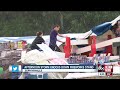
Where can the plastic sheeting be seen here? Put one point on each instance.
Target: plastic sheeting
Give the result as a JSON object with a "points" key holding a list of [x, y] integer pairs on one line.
{"points": [[102, 28], [47, 50], [34, 56], [41, 58], [80, 75]]}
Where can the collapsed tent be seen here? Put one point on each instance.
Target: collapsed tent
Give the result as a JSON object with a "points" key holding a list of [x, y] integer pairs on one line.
{"points": [[45, 57], [102, 28]]}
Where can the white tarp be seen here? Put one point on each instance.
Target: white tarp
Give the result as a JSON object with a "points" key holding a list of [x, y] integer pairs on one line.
{"points": [[46, 57], [80, 75], [48, 51], [34, 56], [30, 39]]}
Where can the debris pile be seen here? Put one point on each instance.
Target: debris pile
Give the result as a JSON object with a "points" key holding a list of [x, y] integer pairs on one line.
{"points": [[8, 57], [36, 57]]}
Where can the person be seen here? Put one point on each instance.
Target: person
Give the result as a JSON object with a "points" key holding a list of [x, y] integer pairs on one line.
{"points": [[37, 40], [116, 30], [53, 38]]}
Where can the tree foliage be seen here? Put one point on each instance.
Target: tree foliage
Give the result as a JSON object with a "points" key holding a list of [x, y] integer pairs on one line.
{"points": [[27, 23]]}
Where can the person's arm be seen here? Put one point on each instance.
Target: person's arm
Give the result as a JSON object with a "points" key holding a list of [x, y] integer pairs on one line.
{"points": [[40, 40], [60, 41], [60, 35], [43, 41]]}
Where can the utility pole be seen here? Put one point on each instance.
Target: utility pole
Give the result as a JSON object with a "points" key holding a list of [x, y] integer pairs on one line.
{"points": [[61, 21]]}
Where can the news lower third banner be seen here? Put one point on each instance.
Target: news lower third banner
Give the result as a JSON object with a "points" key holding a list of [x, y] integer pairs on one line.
{"points": [[53, 68]]}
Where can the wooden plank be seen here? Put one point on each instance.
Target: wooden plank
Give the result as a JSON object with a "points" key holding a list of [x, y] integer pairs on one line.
{"points": [[116, 69], [79, 42], [98, 45], [116, 44], [111, 63], [114, 57]]}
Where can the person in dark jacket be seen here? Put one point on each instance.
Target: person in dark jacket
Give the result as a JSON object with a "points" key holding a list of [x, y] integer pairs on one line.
{"points": [[53, 38], [37, 40]]}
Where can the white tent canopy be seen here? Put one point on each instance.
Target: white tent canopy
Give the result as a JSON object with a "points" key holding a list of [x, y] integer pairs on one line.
{"points": [[30, 39]]}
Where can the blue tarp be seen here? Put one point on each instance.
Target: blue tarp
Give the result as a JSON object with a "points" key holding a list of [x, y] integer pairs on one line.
{"points": [[102, 28]]}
